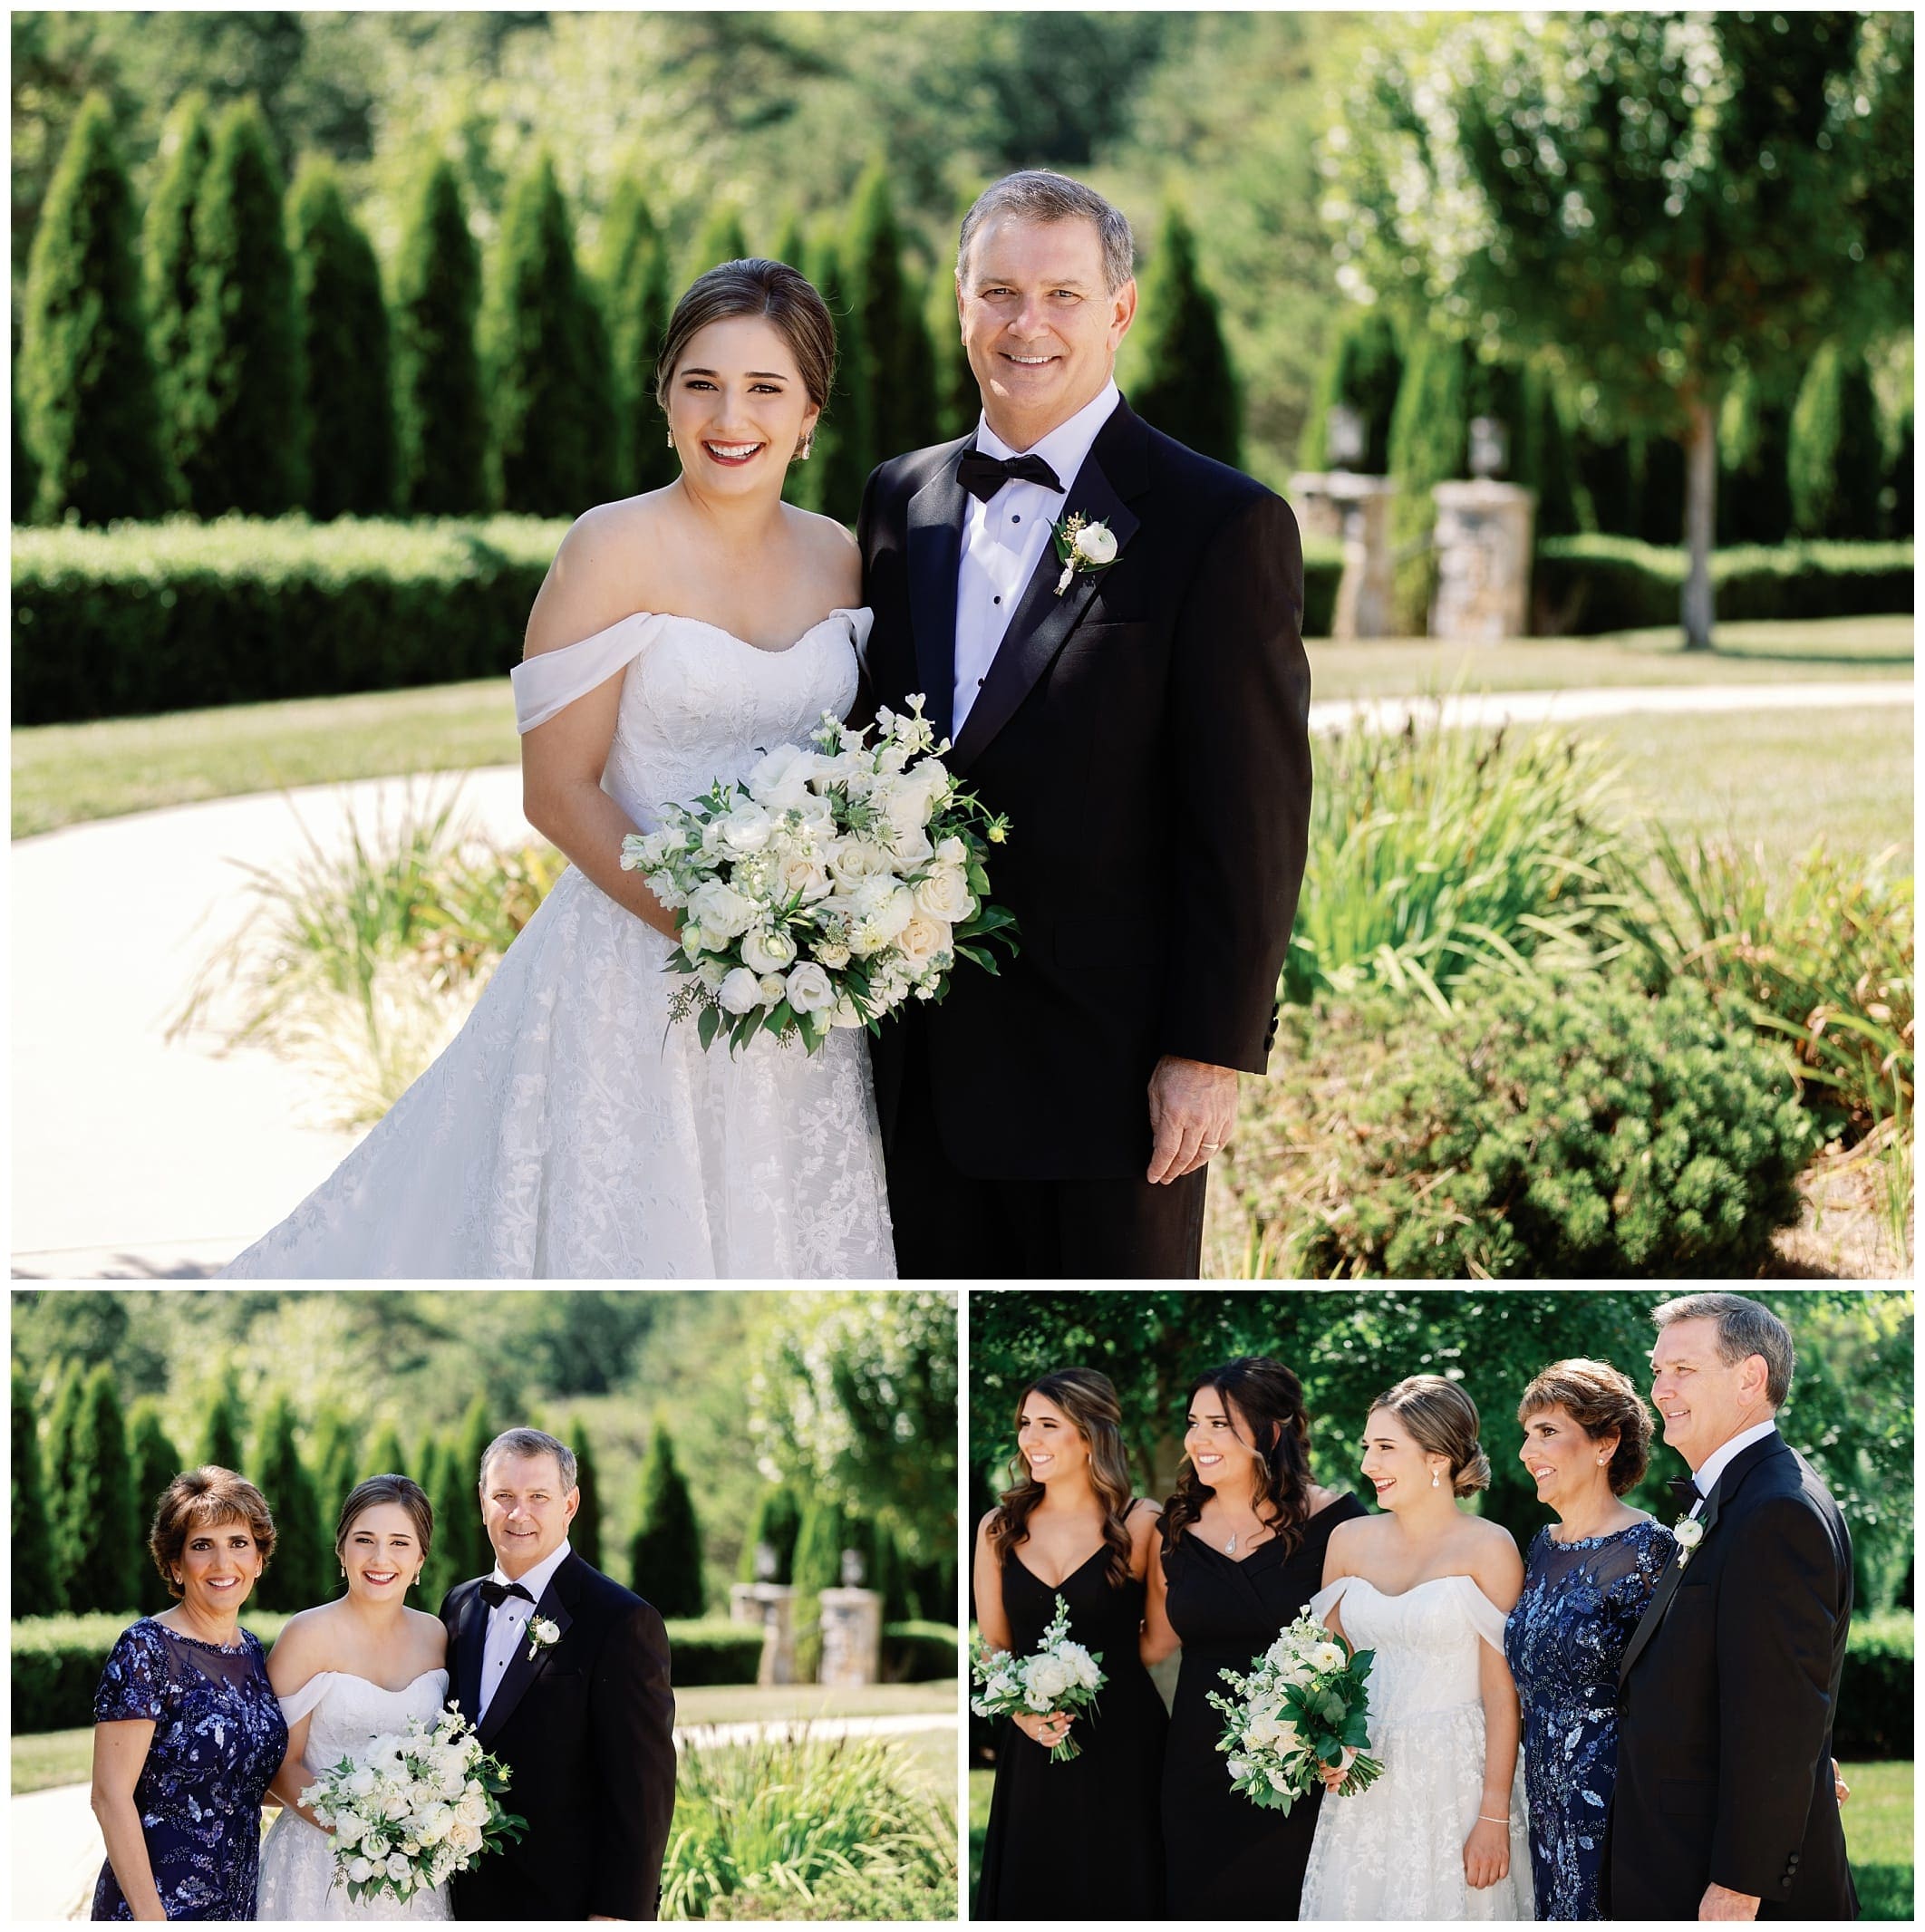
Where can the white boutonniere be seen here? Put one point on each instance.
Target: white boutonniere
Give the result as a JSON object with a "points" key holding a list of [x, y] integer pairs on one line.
{"points": [[1082, 548], [541, 1634], [1689, 1533]]}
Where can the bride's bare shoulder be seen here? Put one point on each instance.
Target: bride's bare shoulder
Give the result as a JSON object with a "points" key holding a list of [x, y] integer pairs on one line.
{"points": [[830, 548], [600, 572]]}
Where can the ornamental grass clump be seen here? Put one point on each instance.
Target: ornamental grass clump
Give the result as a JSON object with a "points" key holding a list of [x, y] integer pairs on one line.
{"points": [[1570, 1125], [1433, 852]]}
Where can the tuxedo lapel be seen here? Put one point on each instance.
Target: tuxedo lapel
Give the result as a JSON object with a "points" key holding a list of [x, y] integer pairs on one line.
{"points": [[470, 1637], [1112, 471], [523, 1669], [936, 552]]}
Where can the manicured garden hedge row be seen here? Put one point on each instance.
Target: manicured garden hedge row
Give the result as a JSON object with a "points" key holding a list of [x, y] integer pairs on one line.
{"points": [[1585, 585], [170, 616], [918, 1652], [57, 1661], [1875, 1699]]}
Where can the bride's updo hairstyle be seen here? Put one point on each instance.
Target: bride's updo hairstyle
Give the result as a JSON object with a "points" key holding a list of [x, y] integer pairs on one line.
{"points": [[1272, 1400], [1090, 1400], [374, 1491], [755, 288], [1442, 1420]]}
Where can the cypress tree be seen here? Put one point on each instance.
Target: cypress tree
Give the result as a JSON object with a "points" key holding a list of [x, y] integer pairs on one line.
{"points": [[550, 402], [35, 1591], [156, 1462], [450, 1558], [584, 1533], [1837, 456], [440, 416], [27, 471], [333, 1456], [93, 417], [778, 1518], [1540, 457], [385, 1456], [1361, 373], [883, 1570], [171, 265], [719, 239], [665, 1554], [476, 1431], [791, 243], [832, 481], [817, 1566], [958, 401], [896, 371], [101, 1523], [343, 353], [65, 1450], [1187, 386], [220, 1432], [1896, 496], [1754, 443], [298, 1576], [1429, 440], [635, 277], [246, 438]]}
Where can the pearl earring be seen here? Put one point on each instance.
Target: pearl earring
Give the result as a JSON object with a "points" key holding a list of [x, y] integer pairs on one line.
{"points": [[1434, 1478], [671, 439], [808, 443]]}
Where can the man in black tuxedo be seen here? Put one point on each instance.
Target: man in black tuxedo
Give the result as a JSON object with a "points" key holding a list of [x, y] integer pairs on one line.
{"points": [[1143, 724], [564, 1675], [1726, 1806]]}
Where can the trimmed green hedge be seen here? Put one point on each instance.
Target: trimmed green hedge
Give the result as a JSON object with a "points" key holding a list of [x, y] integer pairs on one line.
{"points": [[1587, 585], [919, 1653], [1874, 1698], [57, 1660], [1322, 573]]}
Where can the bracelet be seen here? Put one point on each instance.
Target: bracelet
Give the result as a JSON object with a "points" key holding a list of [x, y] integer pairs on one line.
{"points": [[1488, 1819]]}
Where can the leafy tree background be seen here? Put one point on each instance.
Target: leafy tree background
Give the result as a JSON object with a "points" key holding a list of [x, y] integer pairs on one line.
{"points": [[1850, 1412]]}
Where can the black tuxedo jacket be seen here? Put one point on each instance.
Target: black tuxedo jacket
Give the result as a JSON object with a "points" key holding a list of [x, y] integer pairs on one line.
{"points": [[587, 1729], [1148, 733], [1727, 1691]]}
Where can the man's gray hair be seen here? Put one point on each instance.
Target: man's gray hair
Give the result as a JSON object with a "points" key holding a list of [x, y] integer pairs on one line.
{"points": [[530, 1441], [1745, 1327], [1040, 193]]}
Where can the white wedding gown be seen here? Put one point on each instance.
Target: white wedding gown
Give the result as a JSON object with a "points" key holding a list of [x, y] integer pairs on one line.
{"points": [[1397, 1850], [297, 1861], [570, 1130]]}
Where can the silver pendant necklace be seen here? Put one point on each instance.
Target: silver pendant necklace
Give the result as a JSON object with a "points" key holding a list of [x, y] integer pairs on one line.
{"points": [[1230, 1547]]}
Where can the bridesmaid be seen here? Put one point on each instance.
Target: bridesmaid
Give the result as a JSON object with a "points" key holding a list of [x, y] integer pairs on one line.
{"points": [[1244, 1539], [1587, 1581], [1077, 1839]]}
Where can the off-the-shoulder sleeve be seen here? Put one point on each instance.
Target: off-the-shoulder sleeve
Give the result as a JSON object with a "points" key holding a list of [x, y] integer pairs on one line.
{"points": [[133, 1685], [297, 1705], [1328, 1595], [862, 621], [1486, 1619], [546, 683]]}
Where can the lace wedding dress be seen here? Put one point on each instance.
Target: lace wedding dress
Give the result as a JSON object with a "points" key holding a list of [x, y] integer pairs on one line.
{"points": [[297, 1861], [1397, 1850], [570, 1130]]}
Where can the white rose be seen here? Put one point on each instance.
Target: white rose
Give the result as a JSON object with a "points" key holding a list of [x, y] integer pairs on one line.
{"points": [[1045, 1679], [775, 989], [768, 949], [360, 1870], [922, 939], [745, 828], [720, 908], [361, 1784], [349, 1828], [1096, 544], [810, 989], [846, 1014], [711, 972], [740, 992], [945, 894], [833, 954], [803, 873], [951, 852], [779, 779], [435, 1824], [853, 860], [472, 1808], [374, 1847], [467, 1837], [397, 1866], [1326, 1656], [913, 848]]}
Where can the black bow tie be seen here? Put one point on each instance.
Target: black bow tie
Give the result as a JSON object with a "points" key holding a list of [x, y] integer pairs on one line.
{"points": [[982, 475], [1684, 1490], [496, 1594]]}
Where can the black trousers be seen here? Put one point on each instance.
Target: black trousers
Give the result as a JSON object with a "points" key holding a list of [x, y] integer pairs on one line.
{"points": [[950, 1225]]}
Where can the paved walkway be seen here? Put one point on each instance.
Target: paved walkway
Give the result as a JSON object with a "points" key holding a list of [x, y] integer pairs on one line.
{"points": [[56, 1848], [138, 1158]]}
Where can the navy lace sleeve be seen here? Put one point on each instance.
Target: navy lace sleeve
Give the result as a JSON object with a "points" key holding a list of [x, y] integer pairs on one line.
{"points": [[133, 1685]]}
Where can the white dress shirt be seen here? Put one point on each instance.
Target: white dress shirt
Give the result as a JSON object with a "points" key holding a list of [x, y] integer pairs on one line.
{"points": [[507, 1621], [1003, 541], [1714, 1465]]}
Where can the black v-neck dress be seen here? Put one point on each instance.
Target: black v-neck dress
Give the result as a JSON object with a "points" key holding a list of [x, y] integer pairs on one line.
{"points": [[1079, 1840], [1226, 1858]]}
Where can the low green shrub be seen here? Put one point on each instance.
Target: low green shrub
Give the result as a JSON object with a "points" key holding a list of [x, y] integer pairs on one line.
{"points": [[1566, 1124], [1585, 585], [919, 1652], [1875, 1715], [167, 616], [712, 1650], [1322, 573]]}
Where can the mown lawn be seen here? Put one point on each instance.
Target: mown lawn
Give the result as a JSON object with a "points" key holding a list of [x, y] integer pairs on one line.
{"points": [[64, 774]]}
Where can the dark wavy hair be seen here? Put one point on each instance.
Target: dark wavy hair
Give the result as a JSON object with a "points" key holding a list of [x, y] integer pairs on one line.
{"points": [[1088, 1399], [1600, 1399], [1272, 1400]]}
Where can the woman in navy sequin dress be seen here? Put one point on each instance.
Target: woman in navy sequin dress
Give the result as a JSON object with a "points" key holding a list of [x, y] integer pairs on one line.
{"points": [[1587, 1581], [187, 1729]]}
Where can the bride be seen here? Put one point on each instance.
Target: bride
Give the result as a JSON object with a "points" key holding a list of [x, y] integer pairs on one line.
{"points": [[345, 1673], [570, 1130], [1442, 1834]]}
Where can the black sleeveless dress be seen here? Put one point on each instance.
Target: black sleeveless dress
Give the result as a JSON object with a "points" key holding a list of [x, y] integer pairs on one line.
{"points": [[1227, 1860], [1079, 1840]]}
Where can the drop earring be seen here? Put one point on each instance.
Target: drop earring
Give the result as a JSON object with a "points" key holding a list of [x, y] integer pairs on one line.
{"points": [[1434, 1478], [808, 443], [671, 439]]}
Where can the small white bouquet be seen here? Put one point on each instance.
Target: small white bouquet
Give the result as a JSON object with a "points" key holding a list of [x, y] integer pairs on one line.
{"points": [[1302, 1705], [832, 883], [1059, 1675], [419, 1807]]}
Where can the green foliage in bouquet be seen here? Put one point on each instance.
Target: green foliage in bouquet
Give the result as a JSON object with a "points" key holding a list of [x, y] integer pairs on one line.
{"points": [[1567, 1124]]}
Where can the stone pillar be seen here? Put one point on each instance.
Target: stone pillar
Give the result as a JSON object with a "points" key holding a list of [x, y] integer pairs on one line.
{"points": [[1355, 509], [773, 1606], [1484, 561], [851, 1637]]}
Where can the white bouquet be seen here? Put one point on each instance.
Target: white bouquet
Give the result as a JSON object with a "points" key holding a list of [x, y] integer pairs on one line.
{"points": [[832, 883], [1059, 1675], [1300, 1707], [418, 1808]]}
